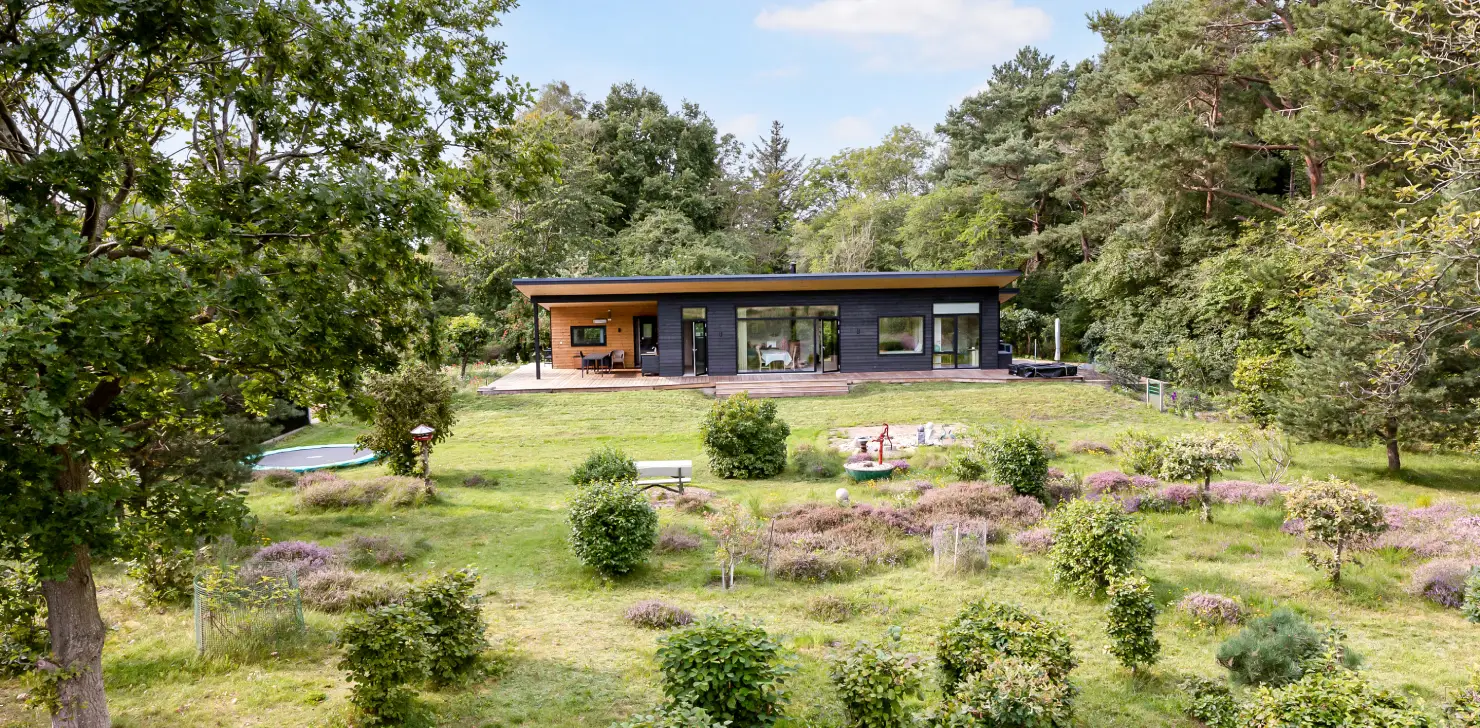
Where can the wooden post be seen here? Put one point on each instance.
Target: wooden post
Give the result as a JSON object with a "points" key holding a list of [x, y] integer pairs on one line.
{"points": [[770, 543], [537, 352]]}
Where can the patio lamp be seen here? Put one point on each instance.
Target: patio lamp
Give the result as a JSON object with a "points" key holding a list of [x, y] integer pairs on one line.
{"points": [[423, 434]]}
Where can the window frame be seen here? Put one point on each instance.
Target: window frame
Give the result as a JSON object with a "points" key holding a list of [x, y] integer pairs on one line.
{"points": [[879, 336], [575, 343]]}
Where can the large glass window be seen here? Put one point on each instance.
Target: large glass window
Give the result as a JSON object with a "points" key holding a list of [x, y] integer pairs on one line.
{"points": [[588, 336], [902, 335], [957, 335], [787, 344]]}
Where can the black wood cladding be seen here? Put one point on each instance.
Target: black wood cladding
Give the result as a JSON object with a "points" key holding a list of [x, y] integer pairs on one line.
{"points": [[858, 312]]}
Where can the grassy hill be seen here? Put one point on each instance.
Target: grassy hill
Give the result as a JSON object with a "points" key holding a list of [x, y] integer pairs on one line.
{"points": [[578, 663]]}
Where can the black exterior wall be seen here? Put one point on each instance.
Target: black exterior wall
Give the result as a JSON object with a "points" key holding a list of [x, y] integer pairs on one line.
{"points": [[858, 313]]}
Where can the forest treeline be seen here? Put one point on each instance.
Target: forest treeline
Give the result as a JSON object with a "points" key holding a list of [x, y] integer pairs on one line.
{"points": [[1248, 197]]}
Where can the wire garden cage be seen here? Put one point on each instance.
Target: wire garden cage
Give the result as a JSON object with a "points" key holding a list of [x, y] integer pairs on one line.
{"points": [[961, 548], [238, 611]]}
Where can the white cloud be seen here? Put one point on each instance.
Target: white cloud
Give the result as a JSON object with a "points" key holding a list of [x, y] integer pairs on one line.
{"points": [[938, 33], [851, 131], [743, 126]]}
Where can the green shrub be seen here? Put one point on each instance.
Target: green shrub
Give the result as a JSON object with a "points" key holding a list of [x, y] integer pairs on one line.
{"points": [[1008, 693], [744, 439], [23, 635], [1093, 543], [1018, 458], [612, 527], [1332, 697], [385, 653], [1210, 703], [164, 575], [1339, 519], [416, 394], [983, 632], [605, 465], [1140, 452], [730, 668], [1471, 606], [1462, 709], [812, 463], [671, 715], [455, 639], [966, 464], [1256, 380], [877, 682], [1130, 621], [1272, 650]]}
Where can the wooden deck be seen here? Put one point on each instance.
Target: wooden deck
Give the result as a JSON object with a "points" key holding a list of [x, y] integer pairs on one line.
{"points": [[522, 381]]}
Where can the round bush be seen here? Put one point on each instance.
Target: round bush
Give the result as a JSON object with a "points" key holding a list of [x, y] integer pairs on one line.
{"points": [[744, 439], [876, 683], [671, 715], [1093, 542], [984, 632], [385, 653], [727, 667], [1271, 650], [1333, 697], [605, 465], [1017, 457], [1009, 693], [612, 527]]}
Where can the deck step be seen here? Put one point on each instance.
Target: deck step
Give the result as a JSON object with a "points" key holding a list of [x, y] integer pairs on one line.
{"points": [[758, 390]]}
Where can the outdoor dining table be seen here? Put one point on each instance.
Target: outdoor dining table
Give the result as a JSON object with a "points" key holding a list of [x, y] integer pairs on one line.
{"points": [[591, 360]]}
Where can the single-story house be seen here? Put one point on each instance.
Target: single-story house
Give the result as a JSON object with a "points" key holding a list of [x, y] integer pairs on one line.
{"points": [[677, 326]]}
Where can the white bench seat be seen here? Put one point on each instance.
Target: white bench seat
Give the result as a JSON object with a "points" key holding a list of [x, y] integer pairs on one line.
{"points": [[664, 474]]}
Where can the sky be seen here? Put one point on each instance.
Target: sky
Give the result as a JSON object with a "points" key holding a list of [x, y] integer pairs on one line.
{"points": [[836, 73]]}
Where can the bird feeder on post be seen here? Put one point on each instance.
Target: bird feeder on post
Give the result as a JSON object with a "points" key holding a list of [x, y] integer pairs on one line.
{"points": [[423, 434]]}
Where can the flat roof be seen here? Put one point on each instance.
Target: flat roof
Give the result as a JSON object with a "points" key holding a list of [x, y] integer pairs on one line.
{"points": [[534, 287]]}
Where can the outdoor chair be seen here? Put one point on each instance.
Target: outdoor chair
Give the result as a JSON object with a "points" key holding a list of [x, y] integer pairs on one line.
{"points": [[619, 359]]}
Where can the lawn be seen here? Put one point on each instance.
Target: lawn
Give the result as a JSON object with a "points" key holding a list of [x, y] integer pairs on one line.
{"points": [[578, 663]]}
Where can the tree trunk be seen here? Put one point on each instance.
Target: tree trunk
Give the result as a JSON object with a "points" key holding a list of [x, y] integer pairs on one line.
{"points": [[1202, 497], [77, 634], [1336, 569], [1390, 438], [464, 373]]}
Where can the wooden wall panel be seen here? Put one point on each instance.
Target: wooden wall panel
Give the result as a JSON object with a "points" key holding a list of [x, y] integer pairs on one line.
{"points": [[620, 331]]}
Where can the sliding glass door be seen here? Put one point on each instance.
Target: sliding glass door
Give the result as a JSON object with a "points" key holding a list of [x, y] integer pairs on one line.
{"points": [[785, 338], [958, 336]]}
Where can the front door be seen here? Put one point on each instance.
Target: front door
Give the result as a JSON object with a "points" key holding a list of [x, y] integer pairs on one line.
{"points": [[701, 347], [827, 343], [957, 342]]}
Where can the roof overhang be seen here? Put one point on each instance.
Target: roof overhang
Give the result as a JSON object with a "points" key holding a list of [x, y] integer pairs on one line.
{"points": [[649, 285]]}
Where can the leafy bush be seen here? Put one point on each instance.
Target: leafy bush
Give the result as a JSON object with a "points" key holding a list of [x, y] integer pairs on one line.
{"points": [[729, 668], [812, 463], [1199, 456], [984, 632], [877, 682], [671, 715], [606, 464], [1018, 458], [385, 653], [416, 394], [1009, 693], [1333, 697], [612, 527], [1462, 710], [831, 608], [1210, 609], [1471, 605], [672, 540], [1130, 621], [164, 575], [1093, 542], [1210, 703], [455, 636], [1272, 650], [1140, 452], [23, 635], [736, 534], [1339, 519], [653, 614], [744, 439], [966, 464], [1256, 380], [337, 589]]}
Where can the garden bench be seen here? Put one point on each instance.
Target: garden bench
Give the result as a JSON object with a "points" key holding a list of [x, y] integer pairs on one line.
{"points": [[664, 474]]}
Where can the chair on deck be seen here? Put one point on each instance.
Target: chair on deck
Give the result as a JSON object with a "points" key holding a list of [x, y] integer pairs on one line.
{"points": [[619, 359]]}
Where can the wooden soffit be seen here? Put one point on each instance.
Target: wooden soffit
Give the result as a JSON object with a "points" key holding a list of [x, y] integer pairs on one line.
{"points": [[800, 282]]}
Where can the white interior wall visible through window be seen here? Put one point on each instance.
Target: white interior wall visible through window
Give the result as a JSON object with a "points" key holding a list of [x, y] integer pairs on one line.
{"points": [[942, 309]]}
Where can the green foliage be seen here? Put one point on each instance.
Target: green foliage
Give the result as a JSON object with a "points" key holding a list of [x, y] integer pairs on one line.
{"points": [[744, 439], [612, 527], [1140, 452], [1094, 543], [1256, 380], [671, 715], [1199, 456], [386, 652], [1008, 693], [1017, 457], [966, 464], [164, 577], [729, 668], [1210, 703], [1462, 710], [1273, 650], [1471, 606], [983, 633], [1332, 696], [468, 335], [877, 683], [1130, 622], [23, 638], [455, 628], [1339, 519], [607, 464], [813, 463], [416, 394]]}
